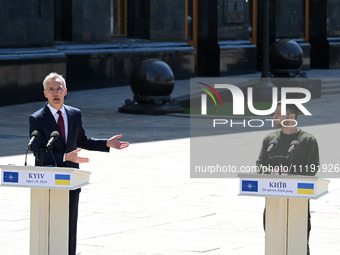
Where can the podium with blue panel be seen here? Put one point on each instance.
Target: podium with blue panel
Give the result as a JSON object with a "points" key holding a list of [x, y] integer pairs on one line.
{"points": [[49, 207], [286, 208]]}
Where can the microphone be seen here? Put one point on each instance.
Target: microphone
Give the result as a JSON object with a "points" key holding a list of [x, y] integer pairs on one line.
{"points": [[272, 145], [293, 146], [54, 136], [34, 135]]}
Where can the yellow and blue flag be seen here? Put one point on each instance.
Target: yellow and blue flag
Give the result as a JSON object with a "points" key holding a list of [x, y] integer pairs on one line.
{"points": [[62, 179], [305, 188]]}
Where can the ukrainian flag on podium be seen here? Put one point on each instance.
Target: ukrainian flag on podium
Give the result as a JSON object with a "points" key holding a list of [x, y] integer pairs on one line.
{"points": [[62, 179], [305, 188]]}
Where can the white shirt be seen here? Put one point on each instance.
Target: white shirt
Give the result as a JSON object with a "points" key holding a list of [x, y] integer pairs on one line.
{"points": [[56, 117]]}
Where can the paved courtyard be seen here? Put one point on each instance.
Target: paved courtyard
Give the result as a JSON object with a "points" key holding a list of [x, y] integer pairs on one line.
{"points": [[141, 200]]}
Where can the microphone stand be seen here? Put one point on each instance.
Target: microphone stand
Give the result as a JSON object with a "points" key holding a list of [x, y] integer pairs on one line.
{"points": [[26, 157], [41, 156], [290, 156], [50, 150], [280, 158], [30, 148]]}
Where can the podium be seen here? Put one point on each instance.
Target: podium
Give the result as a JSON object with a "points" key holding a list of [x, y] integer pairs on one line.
{"points": [[49, 221], [286, 208]]}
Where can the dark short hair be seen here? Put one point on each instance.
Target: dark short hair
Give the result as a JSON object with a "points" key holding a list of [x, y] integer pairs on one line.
{"points": [[290, 109]]}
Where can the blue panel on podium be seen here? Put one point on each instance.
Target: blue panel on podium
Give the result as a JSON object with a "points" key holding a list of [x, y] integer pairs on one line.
{"points": [[249, 186], [11, 177]]}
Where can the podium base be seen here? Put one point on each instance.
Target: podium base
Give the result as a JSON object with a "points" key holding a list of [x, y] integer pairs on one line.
{"points": [[286, 226], [49, 221]]}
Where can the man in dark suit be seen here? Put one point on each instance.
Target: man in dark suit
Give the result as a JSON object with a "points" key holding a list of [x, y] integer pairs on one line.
{"points": [[55, 116]]}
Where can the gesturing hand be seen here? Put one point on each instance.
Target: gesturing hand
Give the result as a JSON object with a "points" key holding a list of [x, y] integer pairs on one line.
{"points": [[73, 156], [114, 143]]}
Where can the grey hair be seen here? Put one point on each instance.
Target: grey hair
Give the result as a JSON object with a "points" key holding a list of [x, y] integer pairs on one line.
{"points": [[54, 76]]}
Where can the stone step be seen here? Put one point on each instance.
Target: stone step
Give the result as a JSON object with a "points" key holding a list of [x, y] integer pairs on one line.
{"points": [[330, 86], [330, 91]]}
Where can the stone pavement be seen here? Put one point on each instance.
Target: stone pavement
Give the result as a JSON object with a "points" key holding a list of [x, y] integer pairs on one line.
{"points": [[141, 200]]}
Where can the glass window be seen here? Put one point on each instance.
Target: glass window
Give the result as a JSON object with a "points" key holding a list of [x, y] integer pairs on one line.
{"points": [[167, 20], [290, 19], [333, 20], [119, 17], [233, 21]]}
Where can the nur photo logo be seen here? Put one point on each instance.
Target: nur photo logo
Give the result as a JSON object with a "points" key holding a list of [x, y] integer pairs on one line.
{"points": [[235, 100], [239, 99]]}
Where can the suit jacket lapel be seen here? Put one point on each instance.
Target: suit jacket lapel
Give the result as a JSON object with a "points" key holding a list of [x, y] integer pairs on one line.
{"points": [[70, 123]]}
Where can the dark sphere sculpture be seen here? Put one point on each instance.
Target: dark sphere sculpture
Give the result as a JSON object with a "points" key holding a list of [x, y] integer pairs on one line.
{"points": [[152, 82], [285, 58], [152, 77]]}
